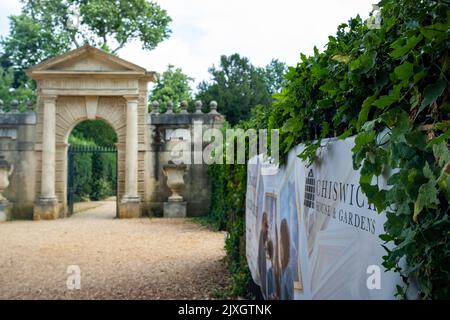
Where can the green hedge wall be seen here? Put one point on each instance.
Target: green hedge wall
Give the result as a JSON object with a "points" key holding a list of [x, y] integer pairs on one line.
{"points": [[227, 212], [95, 173], [389, 87]]}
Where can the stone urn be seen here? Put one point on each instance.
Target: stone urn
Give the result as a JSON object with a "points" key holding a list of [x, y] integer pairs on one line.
{"points": [[175, 181], [5, 171]]}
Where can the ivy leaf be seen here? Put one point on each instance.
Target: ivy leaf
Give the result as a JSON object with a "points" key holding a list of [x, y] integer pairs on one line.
{"points": [[362, 139], [401, 152], [365, 109], [364, 62], [386, 237], [329, 87], [401, 50], [325, 103], [431, 93], [441, 153], [404, 71], [341, 58], [427, 197], [375, 195], [417, 139], [291, 125], [437, 31], [384, 101], [441, 138], [420, 75], [346, 134], [402, 126]]}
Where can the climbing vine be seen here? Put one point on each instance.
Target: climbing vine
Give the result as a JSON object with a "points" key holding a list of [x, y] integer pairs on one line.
{"points": [[387, 85], [227, 212]]}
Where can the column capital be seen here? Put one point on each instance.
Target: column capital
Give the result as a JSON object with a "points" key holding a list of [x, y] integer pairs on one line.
{"points": [[132, 98], [49, 98]]}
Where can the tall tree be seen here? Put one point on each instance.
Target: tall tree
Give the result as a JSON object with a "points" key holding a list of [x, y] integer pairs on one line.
{"points": [[238, 86], [173, 85], [9, 92], [46, 28], [274, 74]]}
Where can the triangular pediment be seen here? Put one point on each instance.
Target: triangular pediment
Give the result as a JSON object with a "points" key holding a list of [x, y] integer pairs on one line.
{"points": [[88, 62], [86, 59]]}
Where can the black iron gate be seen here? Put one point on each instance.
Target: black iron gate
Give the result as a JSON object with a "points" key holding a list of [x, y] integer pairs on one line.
{"points": [[71, 170]]}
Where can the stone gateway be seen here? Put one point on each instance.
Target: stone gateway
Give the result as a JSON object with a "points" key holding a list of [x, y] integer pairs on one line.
{"points": [[87, 84]]}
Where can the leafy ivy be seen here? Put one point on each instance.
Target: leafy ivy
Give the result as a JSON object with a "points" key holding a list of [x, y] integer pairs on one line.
{"points": [[389, 87], [227, 212]]}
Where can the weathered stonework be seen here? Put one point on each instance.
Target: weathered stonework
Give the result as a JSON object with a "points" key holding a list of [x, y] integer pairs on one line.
{"points": [[46, 209], [175, 209], [17, 137], [130, 208], [86, 84], [166, 129]]}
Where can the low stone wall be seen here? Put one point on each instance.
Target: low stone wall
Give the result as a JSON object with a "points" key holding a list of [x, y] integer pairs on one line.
{"points": [[17, 139], [171, 132], [165, 135]]}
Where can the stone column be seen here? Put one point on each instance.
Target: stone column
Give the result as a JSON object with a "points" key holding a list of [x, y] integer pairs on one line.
{"points": [[130, 204], [47, 206]]}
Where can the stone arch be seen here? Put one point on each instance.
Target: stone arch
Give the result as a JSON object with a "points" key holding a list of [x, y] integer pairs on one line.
{"points": [[88, 84], [70, 111]]}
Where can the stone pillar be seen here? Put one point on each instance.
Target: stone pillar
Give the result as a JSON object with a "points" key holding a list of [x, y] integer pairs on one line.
{"points": [[130, 204], [47, 205]]}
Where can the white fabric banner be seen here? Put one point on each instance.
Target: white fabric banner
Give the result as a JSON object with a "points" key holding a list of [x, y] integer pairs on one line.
{"points": [[311, 233]]}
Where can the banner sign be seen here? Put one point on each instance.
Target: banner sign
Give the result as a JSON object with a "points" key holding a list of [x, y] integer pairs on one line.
{"points": [[310, 231]]}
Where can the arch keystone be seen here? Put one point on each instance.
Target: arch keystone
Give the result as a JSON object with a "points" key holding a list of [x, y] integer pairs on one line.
{"points": [[91, 107]]}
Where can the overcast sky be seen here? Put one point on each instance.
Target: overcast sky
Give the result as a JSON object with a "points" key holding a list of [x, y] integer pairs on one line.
{"points": [[202, 30]]}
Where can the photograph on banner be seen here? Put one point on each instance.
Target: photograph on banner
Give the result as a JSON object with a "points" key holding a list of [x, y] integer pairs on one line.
{"points": [[272, 249], [318, 233], [289, 233]]}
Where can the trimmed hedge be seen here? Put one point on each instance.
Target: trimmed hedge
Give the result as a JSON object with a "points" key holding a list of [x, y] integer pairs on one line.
{"points": [[95, 173]]}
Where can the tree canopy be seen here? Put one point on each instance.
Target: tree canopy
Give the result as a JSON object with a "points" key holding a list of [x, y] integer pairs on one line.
{"points": [[238, 86], [172, 85], [46, 28], [9, 92]]}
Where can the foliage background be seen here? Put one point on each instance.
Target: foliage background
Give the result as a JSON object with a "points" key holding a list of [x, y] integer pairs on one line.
{"points": [[227, 212], [47, 28], [95, 173], [387, 85], [238, 86], [172, 85]]}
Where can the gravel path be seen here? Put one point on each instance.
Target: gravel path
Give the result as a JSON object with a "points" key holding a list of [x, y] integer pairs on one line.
{"points": [[119, 259]]}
